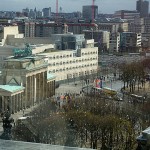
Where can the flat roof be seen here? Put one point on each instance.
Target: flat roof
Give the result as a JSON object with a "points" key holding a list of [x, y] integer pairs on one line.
{"points": [[19, 145], [12, 88], [50, 76], [23, 59], [55, 51]]}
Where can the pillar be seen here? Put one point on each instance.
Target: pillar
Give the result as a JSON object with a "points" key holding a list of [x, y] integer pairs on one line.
{"points": [[35, 89], [10, 104], [5, 103], [22, 101], [42, 93], [15, 106], [19, 102], [12, 100], [45, 85], [50, 88], [16, 102], [32, 91], [2, 103]]}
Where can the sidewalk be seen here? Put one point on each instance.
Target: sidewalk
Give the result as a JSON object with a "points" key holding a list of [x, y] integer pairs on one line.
{"points": [[69, 88], [16, 116]]}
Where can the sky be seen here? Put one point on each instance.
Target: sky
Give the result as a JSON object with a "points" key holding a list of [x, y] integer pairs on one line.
{"points": [[105, 6]]}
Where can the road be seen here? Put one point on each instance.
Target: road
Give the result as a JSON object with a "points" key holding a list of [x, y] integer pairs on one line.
{"points": [[115, 85]]}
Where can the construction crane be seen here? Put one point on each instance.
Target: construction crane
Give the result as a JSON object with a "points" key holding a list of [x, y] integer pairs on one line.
{"points": [[93, 10], [56, 16]]}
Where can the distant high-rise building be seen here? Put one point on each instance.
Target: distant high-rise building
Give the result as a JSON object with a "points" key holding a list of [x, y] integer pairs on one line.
{"points": [[143, 8], [39, 14], [32, 14], [26, 12], [47, 12], [87, 12], [130, 15]]}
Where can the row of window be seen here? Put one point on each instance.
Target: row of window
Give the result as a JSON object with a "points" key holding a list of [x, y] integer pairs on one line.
{"points": [[70, 62], [89, 53], [62, 56], [76, 74], [81, 73], [70, 56], [71, 68]]}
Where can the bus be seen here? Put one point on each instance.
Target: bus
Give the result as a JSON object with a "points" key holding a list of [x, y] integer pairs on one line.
{"points": [[110, 93]]}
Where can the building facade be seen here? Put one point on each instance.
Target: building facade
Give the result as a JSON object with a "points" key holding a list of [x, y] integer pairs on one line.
{"points": [[130, 42], [25, 83], [142, 7], [66, 66], [77, 28], [101, 38], [46, 12], [29, 29], [111, 27], [89, 11], [46, 30], [137, 25], [114, 42], [127, 14]]}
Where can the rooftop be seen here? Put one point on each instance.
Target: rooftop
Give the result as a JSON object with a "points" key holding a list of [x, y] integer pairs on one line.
{"points": [[23, 59], [50, 76], [11, 88]]}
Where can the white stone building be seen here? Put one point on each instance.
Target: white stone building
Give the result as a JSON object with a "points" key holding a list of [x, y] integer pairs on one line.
{"points": [[8, 30], [64, 65]]}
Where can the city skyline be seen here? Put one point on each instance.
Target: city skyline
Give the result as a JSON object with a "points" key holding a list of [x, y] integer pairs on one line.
{"points": [[69, 5]]}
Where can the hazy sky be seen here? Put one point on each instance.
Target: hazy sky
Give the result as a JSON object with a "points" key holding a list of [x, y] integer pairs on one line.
{"points": [[105, 6]]}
